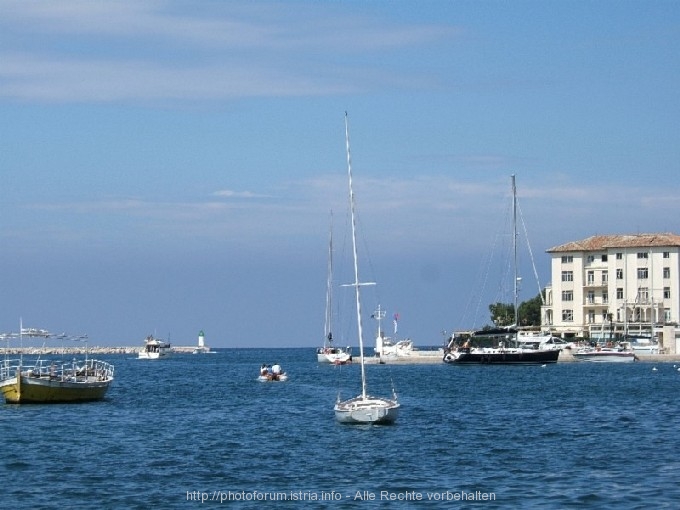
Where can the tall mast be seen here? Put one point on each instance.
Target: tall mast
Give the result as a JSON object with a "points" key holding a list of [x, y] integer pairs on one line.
{"points": [[328, 326], [356, 283], [514, 247]]}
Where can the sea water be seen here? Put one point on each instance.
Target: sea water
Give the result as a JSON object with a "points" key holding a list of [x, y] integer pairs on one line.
{"points": [[200, 430]]}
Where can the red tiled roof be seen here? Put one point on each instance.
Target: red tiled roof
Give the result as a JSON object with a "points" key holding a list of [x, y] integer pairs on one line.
{"points": [[601, 243]]}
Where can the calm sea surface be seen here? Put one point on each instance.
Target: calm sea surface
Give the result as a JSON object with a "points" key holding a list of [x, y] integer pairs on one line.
{"points": [[201, 427]]}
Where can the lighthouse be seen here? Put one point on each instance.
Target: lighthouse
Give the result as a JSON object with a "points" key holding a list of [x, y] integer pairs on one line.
{"points": [[201, 339]]}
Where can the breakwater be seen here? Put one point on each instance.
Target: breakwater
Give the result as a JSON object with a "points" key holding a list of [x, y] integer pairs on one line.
{"points": [[89, 350]]}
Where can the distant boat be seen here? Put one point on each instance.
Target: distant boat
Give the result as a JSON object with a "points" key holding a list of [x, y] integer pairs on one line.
{"points": [[362, 409], [42, 381], [644, 346], [329, 353], [386, 346], [506, 348], [605, 354], [154, 348], [272, 374]]}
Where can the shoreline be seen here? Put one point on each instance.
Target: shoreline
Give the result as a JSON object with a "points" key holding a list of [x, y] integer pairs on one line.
{"points": [[422, 357]]}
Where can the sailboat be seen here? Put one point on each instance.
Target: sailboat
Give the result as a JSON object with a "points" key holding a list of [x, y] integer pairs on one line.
{"points": [[502, 353], [362, 409], [329, 353]]}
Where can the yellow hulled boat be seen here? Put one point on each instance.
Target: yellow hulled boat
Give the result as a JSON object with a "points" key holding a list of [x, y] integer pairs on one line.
{"points": [[47, 381]]}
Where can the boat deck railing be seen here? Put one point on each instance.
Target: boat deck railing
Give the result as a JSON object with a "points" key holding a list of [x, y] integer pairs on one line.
{"points": [[72, 371]]}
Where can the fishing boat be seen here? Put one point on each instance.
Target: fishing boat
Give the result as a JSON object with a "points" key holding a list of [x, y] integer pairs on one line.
{"points": [[505, 347], [329, 353], [618, 354], [154, 348], [362, 409], [42, 380]]}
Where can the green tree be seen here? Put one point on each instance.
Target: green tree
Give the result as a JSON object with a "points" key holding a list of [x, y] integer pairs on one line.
{"points": [[502, 314], [530, 312]]}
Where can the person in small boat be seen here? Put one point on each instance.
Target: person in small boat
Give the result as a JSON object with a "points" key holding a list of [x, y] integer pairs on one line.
{"points": [[276, 370], [263, 369]]}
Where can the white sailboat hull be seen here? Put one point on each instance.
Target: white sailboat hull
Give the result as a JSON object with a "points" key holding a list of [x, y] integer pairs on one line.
{"points": [[368, 410], [334, 356]]}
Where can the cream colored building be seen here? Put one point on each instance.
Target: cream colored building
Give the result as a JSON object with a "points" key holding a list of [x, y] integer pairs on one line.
{"points": [[610, 285]]}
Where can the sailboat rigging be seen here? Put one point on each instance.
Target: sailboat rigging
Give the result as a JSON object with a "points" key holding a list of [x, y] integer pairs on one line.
{"points": [[329, 353], [362, 408], [545, 352]]}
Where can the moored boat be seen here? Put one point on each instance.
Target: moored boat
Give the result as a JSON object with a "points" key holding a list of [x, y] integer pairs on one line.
{"points": [[364, 408], [643, 345], [502, 346], [47, 381], [329, 353], [386, 346], [334, 355], [605, 354], [501, 356]]}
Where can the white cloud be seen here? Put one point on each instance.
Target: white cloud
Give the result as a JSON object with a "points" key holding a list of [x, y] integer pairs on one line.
{"points": [[81, 51], [226, 193], [408, 215]]}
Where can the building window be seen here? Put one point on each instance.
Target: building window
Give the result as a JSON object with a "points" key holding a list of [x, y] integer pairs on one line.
{"points": [[619, 256], [605, 277], [567, 295], [619, 293], [666, 292], [604, 257], [666, 315], [591, 277], [643, 273], [591, 297], [643, 294], [567, 259], [666, 254], [591, 316], [567, 276], [619, 274], [567, 315], [605, 297], [666, 272], [591, 258], [642, 255]]}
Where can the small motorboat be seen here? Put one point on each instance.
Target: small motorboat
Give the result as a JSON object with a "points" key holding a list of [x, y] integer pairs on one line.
{"points": [[273, 377], [272, 373]]}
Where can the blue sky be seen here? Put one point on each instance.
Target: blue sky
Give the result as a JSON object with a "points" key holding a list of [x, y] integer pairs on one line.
{"points": [[171, 166]]}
